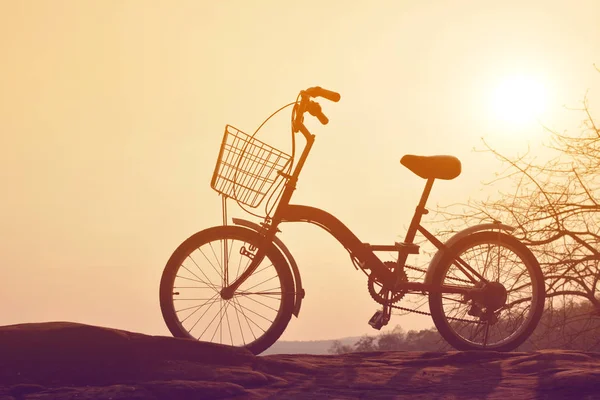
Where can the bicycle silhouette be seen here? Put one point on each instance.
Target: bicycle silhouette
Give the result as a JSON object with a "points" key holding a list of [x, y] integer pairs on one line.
{"points": [[486, 289]]}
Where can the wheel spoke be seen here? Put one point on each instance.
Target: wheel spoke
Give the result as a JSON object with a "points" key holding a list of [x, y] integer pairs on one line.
{"points": [[262, 269], [195, 280], [207, 278], [261, 303], [180, 299], [203, 314], [211, 264], [248, 261], [267, 294], [229, 327], [189, 308], [265, 281], [190, 287], [254, 312], [209, 324], [220, 263], [220, 324], [248, 319], [455, 300]]}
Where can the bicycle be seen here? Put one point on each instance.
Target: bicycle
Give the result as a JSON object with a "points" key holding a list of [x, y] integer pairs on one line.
{"points": [[474, 303]]}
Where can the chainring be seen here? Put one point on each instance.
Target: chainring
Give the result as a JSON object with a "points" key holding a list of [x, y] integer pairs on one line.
{"points": [[376, 288]]}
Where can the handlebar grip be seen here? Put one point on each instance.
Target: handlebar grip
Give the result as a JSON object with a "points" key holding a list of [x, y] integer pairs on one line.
{"points": [[318, 91]]}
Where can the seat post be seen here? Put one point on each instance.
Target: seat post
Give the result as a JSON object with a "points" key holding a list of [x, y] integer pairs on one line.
{"points": [[420, 210]]}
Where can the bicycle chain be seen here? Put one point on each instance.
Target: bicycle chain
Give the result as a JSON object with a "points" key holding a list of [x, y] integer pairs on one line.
{"points": [[428, 313], [425, 271]]}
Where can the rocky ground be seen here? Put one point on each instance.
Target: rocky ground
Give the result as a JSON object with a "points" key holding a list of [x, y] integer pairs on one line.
{"points": [[63, 360]]}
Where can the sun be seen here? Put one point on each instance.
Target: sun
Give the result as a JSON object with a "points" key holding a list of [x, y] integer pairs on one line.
{"points": [[519, 100]]}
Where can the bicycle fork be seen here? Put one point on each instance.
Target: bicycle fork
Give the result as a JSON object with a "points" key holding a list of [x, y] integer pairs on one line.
{"points": [[257, 254]]}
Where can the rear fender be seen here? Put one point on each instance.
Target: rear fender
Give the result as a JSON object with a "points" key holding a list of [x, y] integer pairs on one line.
{"points": [[289, 258], [459, 235]]}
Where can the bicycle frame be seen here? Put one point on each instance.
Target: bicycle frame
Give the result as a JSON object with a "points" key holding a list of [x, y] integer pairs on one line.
{"points": [[363, 252]]}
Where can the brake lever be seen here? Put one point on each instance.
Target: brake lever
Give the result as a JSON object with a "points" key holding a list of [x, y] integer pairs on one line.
{"points": [[314, 109]]}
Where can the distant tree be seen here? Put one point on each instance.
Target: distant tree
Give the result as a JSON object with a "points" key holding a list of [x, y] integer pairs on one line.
{"points": [[425, 340], [395, 340], [338, 348], [366, 343], [567, 326]]}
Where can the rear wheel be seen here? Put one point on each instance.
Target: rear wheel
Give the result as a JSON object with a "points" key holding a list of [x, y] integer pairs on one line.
{"points": [[509, 308], [191, 283]]}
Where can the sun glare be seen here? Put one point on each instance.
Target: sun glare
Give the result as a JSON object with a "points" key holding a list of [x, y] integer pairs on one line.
{"points": [[519, 100]]}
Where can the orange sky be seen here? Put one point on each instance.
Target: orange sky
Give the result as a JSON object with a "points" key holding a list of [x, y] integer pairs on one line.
{"points": [[111, 115]]}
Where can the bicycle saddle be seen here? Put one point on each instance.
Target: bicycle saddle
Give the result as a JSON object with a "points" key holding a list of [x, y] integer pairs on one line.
{"points": [[432, 167]]}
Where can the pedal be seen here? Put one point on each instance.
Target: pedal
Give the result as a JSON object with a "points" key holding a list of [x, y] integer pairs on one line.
{"points": [[378, 320]]}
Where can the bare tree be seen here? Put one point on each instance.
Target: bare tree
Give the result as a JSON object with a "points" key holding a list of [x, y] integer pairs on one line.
{"points": [[555, 205]]}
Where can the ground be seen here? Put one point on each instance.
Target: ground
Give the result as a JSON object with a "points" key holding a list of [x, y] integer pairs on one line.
{"points": [[62, 360]]}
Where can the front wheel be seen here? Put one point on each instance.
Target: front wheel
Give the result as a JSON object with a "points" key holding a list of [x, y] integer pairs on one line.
{"points": [[510, 307], [190, 290]]}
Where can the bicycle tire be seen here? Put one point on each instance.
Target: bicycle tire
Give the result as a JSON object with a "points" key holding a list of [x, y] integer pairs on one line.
{"points": [[449, 330], [195, 243]]}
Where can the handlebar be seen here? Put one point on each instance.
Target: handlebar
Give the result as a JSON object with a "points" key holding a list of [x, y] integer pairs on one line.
{"points": [[313, 107], [318, 91]]}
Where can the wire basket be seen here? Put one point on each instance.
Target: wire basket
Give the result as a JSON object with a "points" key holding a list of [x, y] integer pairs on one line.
{"points": [[246, 168]]}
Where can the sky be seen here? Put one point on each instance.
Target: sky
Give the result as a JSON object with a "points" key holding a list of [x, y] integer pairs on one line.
{"points": [[112, 113]]}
